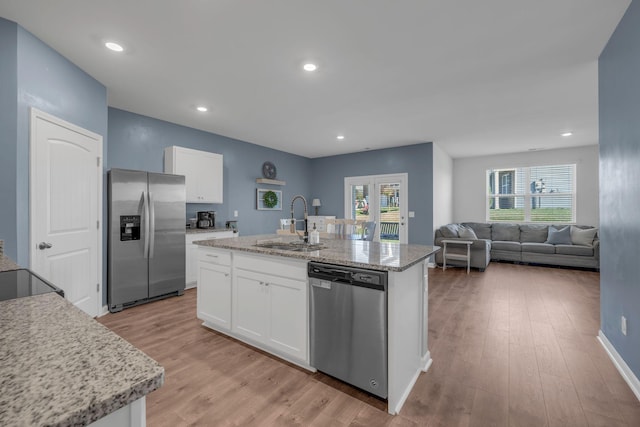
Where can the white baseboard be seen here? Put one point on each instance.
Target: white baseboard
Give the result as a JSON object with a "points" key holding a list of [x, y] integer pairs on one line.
{"points": [[426, 361], [620, 364], [105, 310]]}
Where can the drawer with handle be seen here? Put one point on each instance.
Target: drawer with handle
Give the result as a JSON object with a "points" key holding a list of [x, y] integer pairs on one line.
{"points": [[214, 256]]}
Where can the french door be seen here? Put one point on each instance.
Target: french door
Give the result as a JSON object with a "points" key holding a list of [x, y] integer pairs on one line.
{"points": [[379, 198]]}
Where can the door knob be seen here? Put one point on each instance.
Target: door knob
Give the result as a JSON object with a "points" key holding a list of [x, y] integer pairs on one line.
{"points": [[44, 245]]}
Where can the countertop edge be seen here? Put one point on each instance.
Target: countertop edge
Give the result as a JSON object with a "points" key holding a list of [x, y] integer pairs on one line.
{"points": [[206, 230], [111, 404], [149, 377], [313, 255]]}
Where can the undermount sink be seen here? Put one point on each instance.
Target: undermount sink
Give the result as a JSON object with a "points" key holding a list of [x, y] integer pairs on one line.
{"points": [[291, 246]]}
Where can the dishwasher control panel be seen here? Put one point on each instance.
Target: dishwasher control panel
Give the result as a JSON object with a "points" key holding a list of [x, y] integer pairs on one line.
{"points": [[351, 275]]}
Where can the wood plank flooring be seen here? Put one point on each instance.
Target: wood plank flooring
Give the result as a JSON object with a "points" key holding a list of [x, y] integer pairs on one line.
{"points": [[513, 346]]}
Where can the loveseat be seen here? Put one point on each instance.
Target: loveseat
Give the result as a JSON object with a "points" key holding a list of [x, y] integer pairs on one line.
{"points": [[573, 246]]}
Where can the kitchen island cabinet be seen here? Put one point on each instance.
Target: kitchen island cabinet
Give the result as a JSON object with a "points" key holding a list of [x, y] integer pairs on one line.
{"points": [[191, 250], [270, 299], [270, 304], [214, 289]]}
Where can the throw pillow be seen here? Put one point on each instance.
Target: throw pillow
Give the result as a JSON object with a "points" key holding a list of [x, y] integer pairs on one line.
{"points": [[450, 230], [583, 236], [467, 233], [560, 236]]}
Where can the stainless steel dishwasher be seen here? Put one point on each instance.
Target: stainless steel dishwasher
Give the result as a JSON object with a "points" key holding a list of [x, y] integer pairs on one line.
{"points": [[348, 322]]}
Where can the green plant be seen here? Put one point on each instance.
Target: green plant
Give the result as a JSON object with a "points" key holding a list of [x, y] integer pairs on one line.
{"points": [[270, 199]]}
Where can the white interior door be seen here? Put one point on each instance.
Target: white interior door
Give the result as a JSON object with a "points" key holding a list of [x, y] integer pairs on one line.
{"points": [[380, 198], [66, 209]]}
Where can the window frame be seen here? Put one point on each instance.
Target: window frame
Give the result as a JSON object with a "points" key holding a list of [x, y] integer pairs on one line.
{"points": [[527, 195]]}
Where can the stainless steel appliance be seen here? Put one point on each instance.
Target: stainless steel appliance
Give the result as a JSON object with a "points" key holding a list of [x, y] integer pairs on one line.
{"points": [[348, 320], [24, 283], [146, 237], [206, 219]]}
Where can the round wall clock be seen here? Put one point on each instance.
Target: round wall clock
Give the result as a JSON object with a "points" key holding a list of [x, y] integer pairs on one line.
{"points": [[269, 170]]}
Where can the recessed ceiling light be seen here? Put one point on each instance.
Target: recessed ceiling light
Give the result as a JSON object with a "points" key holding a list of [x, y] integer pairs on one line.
{"points": [[114, 46], [202, 109], [310, 67], [567, 134], [340, 137]]}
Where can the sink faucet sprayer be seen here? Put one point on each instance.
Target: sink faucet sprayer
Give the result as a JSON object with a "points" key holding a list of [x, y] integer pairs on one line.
{"points": [[292, 227]]}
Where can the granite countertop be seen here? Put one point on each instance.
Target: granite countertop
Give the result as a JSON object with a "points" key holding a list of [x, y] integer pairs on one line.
{"points": [[6, 264], [355, 253], [59, 367], [206, 230]]}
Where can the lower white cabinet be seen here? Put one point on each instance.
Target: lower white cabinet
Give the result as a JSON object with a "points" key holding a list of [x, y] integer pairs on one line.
{"points": [[271, 310], [214, 288], [191, 253], [259, 299]]}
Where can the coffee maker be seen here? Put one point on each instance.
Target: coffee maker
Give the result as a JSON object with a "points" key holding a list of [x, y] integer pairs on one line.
{"points": [[206, 219]]}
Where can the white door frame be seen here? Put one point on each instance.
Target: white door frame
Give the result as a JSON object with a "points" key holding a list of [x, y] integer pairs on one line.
{"points": [[38, 114], [374, 182]]}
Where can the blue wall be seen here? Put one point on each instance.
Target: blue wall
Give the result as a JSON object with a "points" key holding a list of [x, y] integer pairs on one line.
{"points": [[328, 173], [35, 75], [137, 142], [619, 94], [51, 83], [8, 134]]}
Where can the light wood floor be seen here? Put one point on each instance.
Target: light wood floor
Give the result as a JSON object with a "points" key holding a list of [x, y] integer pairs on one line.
{"points": [[513, 346]]}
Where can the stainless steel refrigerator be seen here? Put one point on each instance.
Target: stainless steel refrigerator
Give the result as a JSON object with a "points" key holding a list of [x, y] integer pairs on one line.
{"points": [[147, 214]]}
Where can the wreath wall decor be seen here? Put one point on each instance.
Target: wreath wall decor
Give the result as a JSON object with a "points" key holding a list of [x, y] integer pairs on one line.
{"points": [[268, 199]]}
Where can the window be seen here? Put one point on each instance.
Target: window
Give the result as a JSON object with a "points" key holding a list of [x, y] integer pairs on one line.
{"points": [[532, 194]]}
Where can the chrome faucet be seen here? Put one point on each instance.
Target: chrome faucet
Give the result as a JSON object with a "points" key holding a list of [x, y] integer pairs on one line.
{"points": [[292, 227]]}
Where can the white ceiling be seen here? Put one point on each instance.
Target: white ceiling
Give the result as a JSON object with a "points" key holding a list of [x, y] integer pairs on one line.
{"points": [[475, 77]]}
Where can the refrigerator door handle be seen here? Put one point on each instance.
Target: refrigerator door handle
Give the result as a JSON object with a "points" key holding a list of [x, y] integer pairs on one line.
{"points": [[152, 225], [145, 212]]}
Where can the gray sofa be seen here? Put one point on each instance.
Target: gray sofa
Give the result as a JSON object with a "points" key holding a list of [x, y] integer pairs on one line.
{"points": [[522, 243]]}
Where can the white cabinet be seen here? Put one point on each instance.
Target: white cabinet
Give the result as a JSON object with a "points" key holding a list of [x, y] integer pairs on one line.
{"points": [[271, 310], [214, 288], [191, 253], [203, 172], [259, 299]]}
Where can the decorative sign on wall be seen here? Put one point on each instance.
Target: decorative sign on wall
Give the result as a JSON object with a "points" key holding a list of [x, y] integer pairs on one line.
{"points": [[268, 199]]}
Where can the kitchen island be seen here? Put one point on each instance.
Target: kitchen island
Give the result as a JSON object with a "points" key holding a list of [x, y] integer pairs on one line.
{"points": [[59, 367], [260, 295]]}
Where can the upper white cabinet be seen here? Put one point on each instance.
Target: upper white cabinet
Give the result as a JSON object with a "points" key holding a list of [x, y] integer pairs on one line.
{"points": [[203, 173]]}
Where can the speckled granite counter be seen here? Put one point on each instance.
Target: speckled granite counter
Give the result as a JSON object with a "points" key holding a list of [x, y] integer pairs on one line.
{"points": [[6, 264], [356, 253], [59, 367], [206, 230]]}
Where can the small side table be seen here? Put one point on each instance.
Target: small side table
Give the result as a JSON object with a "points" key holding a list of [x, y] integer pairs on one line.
{"points": [[461, 257]]}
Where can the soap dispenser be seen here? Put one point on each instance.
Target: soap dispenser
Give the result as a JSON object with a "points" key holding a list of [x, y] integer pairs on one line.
{"points": [[314, 236]]}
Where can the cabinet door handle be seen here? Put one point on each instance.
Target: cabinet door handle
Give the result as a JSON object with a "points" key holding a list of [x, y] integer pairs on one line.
{"points": [[212, 256], [266, 283], [226, 274]]}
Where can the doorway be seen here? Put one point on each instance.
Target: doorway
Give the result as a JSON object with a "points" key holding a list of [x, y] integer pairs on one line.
{"points": [[379, 198], [65, 208]]}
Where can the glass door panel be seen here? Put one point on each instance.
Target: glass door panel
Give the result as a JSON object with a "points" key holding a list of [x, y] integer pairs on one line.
{"points": [[381, 199], [360, 200], [389, 212]]}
